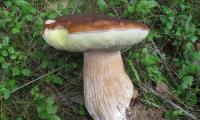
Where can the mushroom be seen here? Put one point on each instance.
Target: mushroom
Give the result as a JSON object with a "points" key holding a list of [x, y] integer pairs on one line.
{"points": [[107, 88]]}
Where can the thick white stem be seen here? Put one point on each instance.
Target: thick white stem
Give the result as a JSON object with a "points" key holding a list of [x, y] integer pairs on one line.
{"points": [[107, 88]]}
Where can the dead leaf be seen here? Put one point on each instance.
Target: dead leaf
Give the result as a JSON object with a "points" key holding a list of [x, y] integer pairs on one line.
{"points": [[54, 5], [197, 45], [140, 112], [162, 88], [135, 94], [79, 99]]}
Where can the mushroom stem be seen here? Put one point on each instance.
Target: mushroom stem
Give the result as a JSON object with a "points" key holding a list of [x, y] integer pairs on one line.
{"points": [[107, 88]]}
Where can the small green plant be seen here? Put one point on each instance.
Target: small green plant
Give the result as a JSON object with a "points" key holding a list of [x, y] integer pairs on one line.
{"points": [[174, 33], [13, 64], [55, 79], [80, 110], [173, 114], [45, 106]]}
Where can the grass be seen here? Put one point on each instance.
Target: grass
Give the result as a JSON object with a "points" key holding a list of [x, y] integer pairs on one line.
{"points": [[39, 82]]}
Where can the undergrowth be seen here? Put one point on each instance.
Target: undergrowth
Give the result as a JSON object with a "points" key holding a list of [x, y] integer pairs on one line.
{"points": [[38, 82]]}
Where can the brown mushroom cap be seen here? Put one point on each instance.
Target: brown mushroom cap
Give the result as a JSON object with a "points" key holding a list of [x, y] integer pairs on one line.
{"points": [[74, 23], [83, 33]]}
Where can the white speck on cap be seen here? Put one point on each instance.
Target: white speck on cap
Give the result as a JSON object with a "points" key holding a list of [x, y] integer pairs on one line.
{"points": [[50, 21]]}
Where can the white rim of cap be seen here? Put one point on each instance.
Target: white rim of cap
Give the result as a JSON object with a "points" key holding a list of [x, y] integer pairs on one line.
{"points": [[50, 21]]}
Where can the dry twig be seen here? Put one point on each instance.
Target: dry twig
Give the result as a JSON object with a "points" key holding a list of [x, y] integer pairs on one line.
{"points": [[168, 101], [36, 79]]}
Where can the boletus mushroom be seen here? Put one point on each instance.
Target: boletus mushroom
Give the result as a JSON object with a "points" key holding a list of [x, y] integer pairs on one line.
{"points": [[107, 88]]}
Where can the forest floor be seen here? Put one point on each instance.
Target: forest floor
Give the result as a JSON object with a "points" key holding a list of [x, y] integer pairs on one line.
{"points": [[40, 82]]}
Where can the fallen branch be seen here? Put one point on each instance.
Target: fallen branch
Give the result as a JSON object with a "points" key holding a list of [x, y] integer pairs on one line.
{"points": [[167, 100]]}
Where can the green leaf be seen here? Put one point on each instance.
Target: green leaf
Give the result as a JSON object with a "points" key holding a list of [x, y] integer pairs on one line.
{"points": [[193, 38], [58, 81], [196, 55], [15, 71], [188, 69], [54, 79], [153, 35], [6, 94], [15, 30], [117, 2], [52, 16], [10, 84], [34, 90], [2, 59], [82, 110], [5, 65], [145, 6], [150, 36], [173, 114], [166, 9], [29, 18], [49, 101], [13, 57], [25, 6], [178, 31], [193, 68], [182, 5], [45, 63], [187, 25], [136, 76], [19, 118], [131, 9], [52, 109], [191, 99], [26, 72], [150, 60], [4, 53], [163, 19], [11, 50], [54, 117], [145, 51], [17, 53], [169, 25], [8, 4], [187, 81], [5, 41], [103, 6], [154, 69], [166, 30], [42, 113], [22, 3], [189, 46], [110, 14], [178, 112]]}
